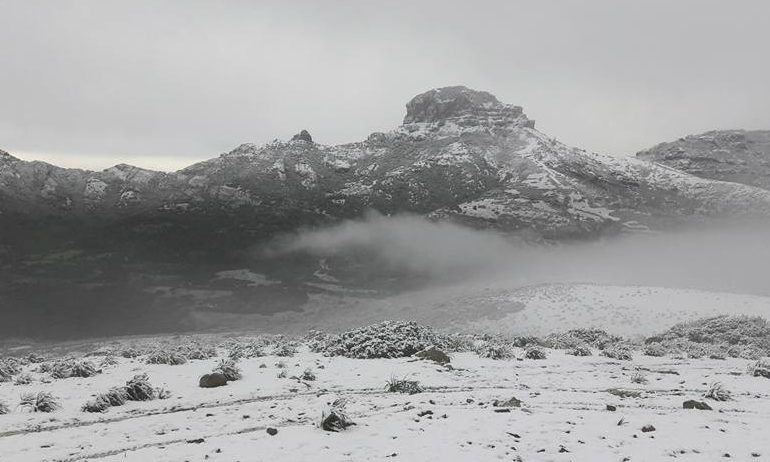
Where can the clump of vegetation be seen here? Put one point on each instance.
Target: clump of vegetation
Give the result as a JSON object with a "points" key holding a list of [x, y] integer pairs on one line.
{"points": [[494, 350], [655, 349], [335, 419], [761, 368], [98, 404], [395, 385], [171, 358], [163, 393], [282, 374], [534, 352], [307, 375], [618, 351], [34, 358], [285, 349], [639, 377], [131, 353], [580, 350], [109, 361], [139, 388], [8, 368], [116, 396], [72, 368], [23, 379], [723, 331], [388, 339], [197, 351], [229, 368], [717, 392], [596, 338], [4, 408], [39, 402]]}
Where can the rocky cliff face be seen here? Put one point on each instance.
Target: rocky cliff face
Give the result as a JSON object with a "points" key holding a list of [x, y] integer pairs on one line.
{"points": [[729, 155]]}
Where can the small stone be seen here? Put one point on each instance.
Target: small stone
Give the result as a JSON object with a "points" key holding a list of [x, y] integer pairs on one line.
{"points": [[648, 428], [611, 408], [272, 431], [693, 404]]}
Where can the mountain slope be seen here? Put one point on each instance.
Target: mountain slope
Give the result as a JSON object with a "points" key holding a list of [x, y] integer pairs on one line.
{"points": [[730, 155]]}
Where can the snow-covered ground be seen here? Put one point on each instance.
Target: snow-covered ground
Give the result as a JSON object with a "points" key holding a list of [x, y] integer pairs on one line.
{"points": [[563, 417]]}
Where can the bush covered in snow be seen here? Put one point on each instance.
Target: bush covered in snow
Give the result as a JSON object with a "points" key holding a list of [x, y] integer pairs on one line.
{"points": [[39, 402], [389, 339], [229, 368], [761, 368], [23, 379], [334, 418], [655, 349], [66, 368], [722, 332], [717, 392], [580, 350], [494, 350], [8, 368], [161, 356], [534, 352], [4, 408], [618, 351], [139, 389], [395, 385], [596, 338]]}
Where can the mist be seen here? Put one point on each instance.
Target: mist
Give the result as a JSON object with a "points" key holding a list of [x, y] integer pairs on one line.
{"points": [[716, 256]]}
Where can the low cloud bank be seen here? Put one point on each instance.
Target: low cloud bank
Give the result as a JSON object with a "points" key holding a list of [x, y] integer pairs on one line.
{"points": [[728, 257]]}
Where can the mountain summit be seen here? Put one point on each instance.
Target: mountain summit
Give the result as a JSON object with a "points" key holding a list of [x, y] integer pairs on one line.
{"points": [[464, 107]]}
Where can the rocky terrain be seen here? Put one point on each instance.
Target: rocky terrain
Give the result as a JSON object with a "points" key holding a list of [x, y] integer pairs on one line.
{"points": [[153, 245], [739, 156]]}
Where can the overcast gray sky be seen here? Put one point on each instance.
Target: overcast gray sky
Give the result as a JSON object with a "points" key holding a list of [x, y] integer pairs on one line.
{"points": [[162, 84]]}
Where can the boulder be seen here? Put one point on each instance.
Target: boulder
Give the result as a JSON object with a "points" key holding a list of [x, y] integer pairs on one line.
{"points": [[212, 380], [700, 405], [433, 354]]}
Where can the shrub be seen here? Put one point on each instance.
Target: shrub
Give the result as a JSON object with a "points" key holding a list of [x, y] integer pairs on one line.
{"points": [[98, 404], [639, 378], [308, 375], [70, 368], [746, 331], [163, 393], [171, 358], [580, 350], [83, 369], [534, 352], [4, 408], [285, 349], [750, 353], [618, 351], [717, 392], [195, 351], [282, 374], [116, 396], [39, 402], [596, 338], [131, 353], [655, 349], [139, 388], [229, 368], [761, 368], [23, 379], [8, 368], [35, 358], [334, 418], [494, 350], [388, 339], [395, 385], [109, 361]]}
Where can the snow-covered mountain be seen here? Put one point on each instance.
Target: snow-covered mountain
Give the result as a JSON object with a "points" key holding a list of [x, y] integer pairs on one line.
{"points": [[460, 154], [729, 155], [151, 243]]}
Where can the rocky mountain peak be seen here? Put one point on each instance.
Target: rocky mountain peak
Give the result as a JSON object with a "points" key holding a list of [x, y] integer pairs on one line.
{"points": [[463, 106], [4, 156], [304, 135]]}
